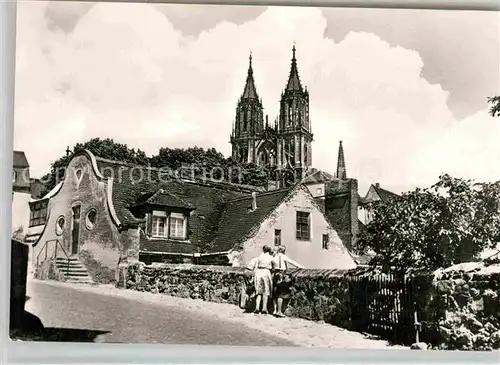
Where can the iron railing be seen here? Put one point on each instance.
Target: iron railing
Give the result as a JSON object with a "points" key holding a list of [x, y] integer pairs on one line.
{"points": [[55, 249]]}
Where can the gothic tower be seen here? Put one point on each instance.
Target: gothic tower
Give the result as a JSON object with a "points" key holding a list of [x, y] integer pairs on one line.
{"points": [[294, 153], [248, 125]]}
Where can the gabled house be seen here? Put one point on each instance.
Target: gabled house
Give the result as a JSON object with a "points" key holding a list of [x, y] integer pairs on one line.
{"points": [[106, 212], [375, 194], [315, 182]]}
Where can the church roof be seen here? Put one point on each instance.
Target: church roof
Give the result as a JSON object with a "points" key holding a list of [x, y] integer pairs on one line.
{"points": [[294, 79], [250, 91]]}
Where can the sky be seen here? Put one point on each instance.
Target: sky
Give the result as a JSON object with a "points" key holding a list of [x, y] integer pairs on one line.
{"points": [[405, 90]]}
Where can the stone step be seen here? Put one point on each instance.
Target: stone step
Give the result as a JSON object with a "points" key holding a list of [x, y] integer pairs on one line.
{"points": [[71, 264], [71, 260], [73, 270], [74, 266], [75, 273]]}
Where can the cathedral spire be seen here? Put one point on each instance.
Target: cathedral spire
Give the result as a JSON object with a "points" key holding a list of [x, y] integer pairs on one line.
{"points": [[341, 169], [250, 91], [293, 79]]}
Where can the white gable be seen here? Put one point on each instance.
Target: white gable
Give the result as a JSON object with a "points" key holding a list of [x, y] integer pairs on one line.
{"points": [[309, 253]]}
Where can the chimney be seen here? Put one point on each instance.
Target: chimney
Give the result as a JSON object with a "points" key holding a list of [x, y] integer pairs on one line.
{"points": [[377, 185], [254, 200]]}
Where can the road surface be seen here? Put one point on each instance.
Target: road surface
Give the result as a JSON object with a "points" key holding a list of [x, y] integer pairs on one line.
{"points": [[113, 319]]}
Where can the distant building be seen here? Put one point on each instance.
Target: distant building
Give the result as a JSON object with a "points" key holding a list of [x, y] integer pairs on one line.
{"points": [[21, 194], [106, 212], [37, 188], [375, 194]]}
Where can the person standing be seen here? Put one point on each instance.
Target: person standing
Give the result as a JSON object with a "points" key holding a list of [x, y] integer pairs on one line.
{"points": [[264, 264], [282, 281]]}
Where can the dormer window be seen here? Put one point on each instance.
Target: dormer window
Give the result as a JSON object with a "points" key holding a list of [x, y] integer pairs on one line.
{"points": [[168, 225]]}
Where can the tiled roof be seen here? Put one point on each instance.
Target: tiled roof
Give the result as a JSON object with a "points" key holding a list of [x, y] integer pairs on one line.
{"points": [[318, 177], [20, 160], [385, 195], [221, 218], [209, 200], [166, 198], [238, 220]]}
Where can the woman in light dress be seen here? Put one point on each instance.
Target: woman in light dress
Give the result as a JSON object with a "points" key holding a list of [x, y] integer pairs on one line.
{"points": [[262, 267], [282, 281]]}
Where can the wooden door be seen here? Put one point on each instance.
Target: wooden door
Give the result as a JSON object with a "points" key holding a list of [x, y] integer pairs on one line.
{"points": [[75, 231]]}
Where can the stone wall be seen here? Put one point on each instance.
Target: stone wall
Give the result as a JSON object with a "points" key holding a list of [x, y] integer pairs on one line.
{"points": [[457, 308], [18, 275], [317, 294], [463, 306]]}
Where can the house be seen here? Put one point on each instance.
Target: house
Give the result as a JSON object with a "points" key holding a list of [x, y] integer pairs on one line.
{"points": [[21, 194], [315, 182], [106, 212], [375, 194]]}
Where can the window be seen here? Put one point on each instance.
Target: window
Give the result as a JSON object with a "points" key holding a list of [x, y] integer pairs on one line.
{"points": [[303, 228], [277, 237], [60, 225], [91, 219], [171, 225], [177, 229], [159, 224], [326, 239], [38, 213], [14, 176], [319, 191]]}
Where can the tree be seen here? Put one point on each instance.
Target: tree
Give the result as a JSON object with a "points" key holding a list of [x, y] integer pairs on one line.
{"points": [[208, 163], [495, 106], [451, 222], [211, 164], [105, 148]]}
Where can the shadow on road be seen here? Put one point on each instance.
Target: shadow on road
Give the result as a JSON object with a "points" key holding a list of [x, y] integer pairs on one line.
{"points": [[32, 329]]}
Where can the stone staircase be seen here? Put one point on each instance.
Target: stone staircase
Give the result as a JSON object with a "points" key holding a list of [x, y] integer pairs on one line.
{"points": [[74, 271]]}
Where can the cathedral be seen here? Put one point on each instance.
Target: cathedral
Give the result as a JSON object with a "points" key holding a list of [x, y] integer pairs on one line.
{"points": [[283, 146]]}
